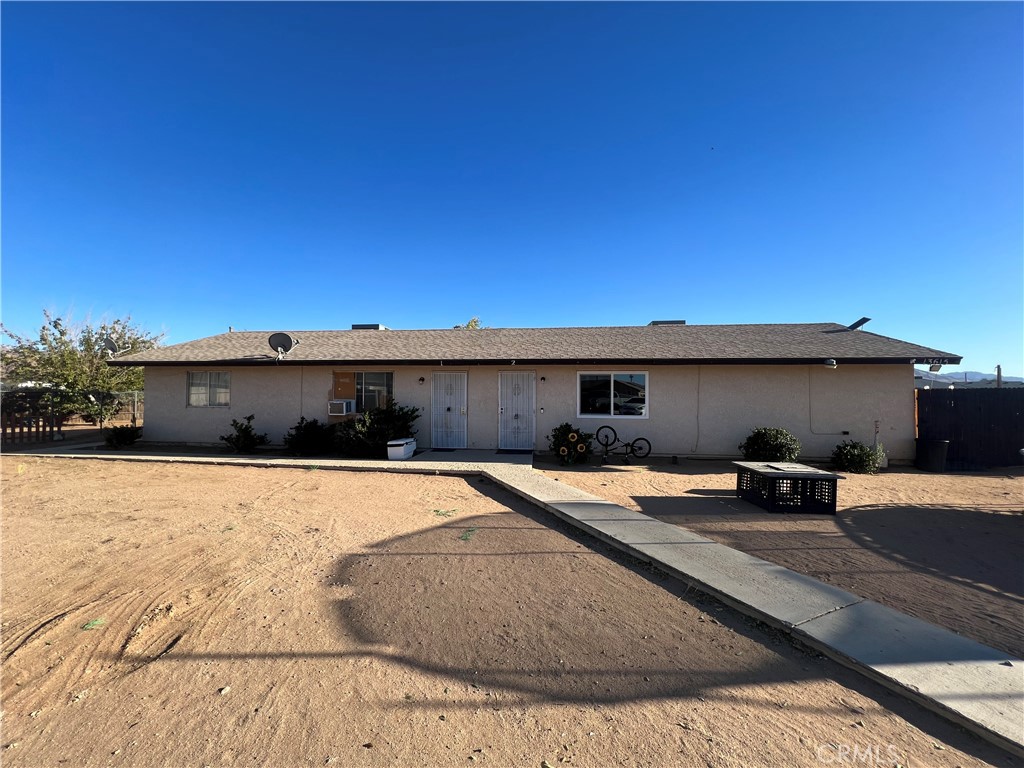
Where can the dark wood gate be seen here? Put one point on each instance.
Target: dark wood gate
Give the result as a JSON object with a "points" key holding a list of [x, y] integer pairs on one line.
{"points": [[985, 427], [28, 416]]}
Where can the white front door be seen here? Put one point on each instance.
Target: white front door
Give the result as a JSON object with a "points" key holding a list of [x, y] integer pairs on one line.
{"points": [[448, 410], [516, 407]]}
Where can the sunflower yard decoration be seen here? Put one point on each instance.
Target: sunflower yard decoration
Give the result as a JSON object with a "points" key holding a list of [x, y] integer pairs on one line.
{"points": [[571, 445]]}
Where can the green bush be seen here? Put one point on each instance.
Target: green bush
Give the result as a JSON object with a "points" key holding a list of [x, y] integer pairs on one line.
{"points": [[367, 435], [245, 439], [852, 456], [770, 444], [310, 438], [121, 437], [569, 444]]}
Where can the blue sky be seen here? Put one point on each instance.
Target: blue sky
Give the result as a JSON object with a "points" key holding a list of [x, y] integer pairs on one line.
{"points": [[304, 166]]}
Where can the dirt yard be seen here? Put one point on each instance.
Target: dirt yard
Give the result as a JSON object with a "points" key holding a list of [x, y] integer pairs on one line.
{"points": [[173, 615], [946, 548]]}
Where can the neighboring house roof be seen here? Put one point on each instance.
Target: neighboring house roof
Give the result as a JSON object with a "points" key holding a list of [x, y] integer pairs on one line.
{"points": [[628, 345], [984, 384]]}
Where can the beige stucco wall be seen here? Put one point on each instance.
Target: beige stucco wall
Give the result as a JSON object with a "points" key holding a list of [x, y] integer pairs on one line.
{"points": [[276, 395], [709, 410], [692, 410]]}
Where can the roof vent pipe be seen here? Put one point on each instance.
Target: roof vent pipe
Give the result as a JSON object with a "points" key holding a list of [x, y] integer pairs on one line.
{"points": [[858, 324]]}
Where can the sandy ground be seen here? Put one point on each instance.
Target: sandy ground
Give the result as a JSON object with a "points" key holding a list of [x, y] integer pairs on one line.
{"points": [[171, 615], [946, 548]]}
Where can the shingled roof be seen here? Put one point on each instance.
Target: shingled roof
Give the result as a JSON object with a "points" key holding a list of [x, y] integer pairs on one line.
{"points": [[624, 345]]}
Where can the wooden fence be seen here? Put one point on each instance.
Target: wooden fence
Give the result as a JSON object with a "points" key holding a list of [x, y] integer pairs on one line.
{"points": [[985, 427], [26, 428], [28, 416], [38, 415]]}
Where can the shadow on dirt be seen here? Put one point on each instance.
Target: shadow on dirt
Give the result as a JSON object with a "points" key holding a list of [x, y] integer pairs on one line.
{"points": [[975, 546], [953, 566], [434, 601]]}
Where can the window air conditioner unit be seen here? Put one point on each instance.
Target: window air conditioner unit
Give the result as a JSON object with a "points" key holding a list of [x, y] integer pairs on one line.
{"points": [[340, 407]]}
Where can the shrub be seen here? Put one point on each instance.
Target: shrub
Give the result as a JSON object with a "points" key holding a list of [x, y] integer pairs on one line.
{"points": [[852, 456], [367, 435], [770, 444], [569, 444], [310, 438], [245, 439], [120, 437]]}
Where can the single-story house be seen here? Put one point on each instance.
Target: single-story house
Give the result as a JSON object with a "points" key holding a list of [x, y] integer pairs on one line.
{"points": [[692, 390]]}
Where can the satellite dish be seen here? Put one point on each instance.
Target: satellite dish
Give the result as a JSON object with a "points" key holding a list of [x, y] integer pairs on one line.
{"points": [[282, 343], [111, 348]]}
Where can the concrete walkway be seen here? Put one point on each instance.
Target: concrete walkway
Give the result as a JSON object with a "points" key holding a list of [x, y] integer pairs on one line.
{"points": [[966, 682]]}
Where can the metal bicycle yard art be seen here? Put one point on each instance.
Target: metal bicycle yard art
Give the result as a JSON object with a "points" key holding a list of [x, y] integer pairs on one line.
{"points": [[608, 439]]}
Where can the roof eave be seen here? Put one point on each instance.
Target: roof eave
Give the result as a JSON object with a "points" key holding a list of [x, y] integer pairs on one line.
{"points": [[405, 363]]}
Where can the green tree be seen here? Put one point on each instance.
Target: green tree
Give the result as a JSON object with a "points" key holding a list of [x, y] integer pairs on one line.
{"points": [[71, 360], [472, 325]]}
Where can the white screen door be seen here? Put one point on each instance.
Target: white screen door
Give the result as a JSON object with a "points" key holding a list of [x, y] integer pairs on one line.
{"points": [[448, 410], [516, 407]]}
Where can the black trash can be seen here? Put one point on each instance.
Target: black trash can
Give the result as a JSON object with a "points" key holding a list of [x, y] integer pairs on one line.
{"points": [[931, 455]]}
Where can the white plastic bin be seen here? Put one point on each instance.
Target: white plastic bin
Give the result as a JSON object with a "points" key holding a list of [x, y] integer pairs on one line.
{"points": [[401, 449]]}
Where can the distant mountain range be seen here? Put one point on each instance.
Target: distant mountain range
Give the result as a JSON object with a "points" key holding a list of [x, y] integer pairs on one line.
{"points": [[963, 379]]}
